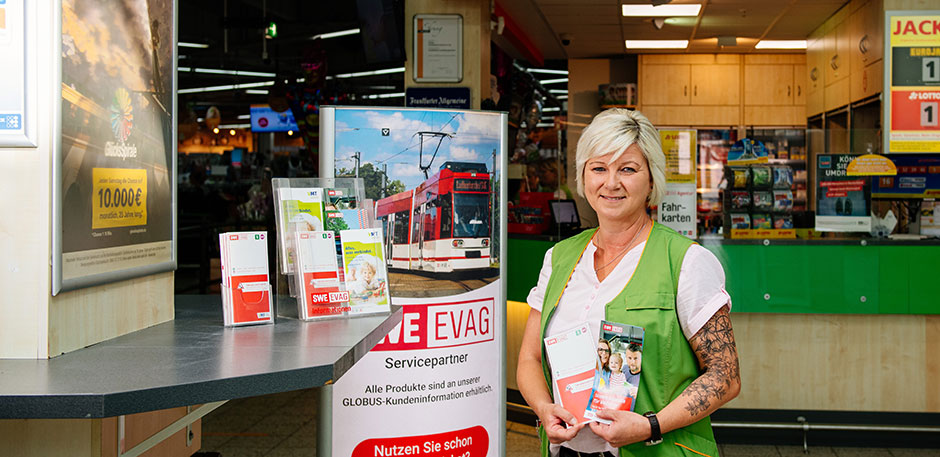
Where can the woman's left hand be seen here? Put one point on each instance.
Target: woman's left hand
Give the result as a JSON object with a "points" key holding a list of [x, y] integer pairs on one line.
{"points": [[626, 427]]}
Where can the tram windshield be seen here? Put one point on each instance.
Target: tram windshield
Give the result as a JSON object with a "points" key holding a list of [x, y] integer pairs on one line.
{"points": [[471, 215]]}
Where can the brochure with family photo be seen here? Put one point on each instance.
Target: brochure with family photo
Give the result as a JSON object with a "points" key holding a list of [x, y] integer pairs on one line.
{"points": [[246, 292], [365, 274], [317, 274], [618, 377], [573, 362], [299, 209]]}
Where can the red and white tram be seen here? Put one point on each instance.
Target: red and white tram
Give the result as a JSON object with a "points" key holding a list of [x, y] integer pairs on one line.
{"points": [[442, 225]]}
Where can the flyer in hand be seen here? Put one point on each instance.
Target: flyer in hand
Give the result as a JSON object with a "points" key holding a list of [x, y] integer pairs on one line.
{"points": [[366, 276], [299, 209], [573, 364], [318, 276], [618, 378]]}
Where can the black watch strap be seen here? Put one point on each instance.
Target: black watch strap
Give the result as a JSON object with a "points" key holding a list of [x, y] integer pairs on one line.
{"points": [[656, 435]]}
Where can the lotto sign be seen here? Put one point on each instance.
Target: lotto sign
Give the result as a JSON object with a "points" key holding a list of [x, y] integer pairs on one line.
{"points": [[912, 81]]}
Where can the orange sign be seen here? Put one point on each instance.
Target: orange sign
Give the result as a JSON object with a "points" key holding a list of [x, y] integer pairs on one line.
{"points": [[871, 165]]}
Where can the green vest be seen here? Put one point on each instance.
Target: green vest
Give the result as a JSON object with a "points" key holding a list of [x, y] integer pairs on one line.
{"points": [[648, 301]]}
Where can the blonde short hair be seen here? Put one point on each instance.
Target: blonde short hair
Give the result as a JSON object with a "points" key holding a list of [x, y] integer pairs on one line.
{"points": [[615, 130]]}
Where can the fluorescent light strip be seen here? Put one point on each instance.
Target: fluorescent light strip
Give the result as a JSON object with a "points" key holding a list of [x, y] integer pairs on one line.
{"points": [[257, 91], [558, 91], [661, 10], [184, 44], [244, 116], [235, 126], [227, 87], [554, 81], [392, 95], [335, 34], [215, 71], [547, 71], [657, 44], [550, 109], [370, 73], [562, 97], [544, 124], [781, 44]]}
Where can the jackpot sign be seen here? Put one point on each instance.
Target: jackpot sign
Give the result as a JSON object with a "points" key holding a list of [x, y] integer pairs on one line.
{"points": [[912, 81]]}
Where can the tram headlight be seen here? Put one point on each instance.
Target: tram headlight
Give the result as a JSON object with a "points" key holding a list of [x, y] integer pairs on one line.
{"points": [[457, 243], [486, 242]]}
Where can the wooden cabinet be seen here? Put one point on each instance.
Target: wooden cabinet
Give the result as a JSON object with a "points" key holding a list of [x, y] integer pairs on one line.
{"points": [[866, 32], [716, 84], [844, 57], [774, 90], [690, 89], [665, 84], [799, 84], [866, 35]]}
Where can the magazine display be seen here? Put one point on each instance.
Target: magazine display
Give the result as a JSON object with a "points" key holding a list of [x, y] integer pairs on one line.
{"points": [[571, 356], [246, 292], [299, 209], [616, 382], [365, 274], [317, 273]]}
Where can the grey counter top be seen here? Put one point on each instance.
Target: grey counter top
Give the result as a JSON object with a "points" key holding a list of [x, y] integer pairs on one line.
{"points": [[190, 360]]}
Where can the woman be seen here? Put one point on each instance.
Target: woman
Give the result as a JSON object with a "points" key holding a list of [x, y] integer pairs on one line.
{"points": [[633, 271]]}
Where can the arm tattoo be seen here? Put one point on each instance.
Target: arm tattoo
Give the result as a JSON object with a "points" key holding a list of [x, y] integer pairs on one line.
{"points": [[714, 346]]}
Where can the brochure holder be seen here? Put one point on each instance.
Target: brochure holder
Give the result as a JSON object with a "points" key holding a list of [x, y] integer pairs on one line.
{"points": [[304, 207]]}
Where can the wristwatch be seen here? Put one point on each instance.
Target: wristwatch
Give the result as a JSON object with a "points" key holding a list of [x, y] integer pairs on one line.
{"points": [[656, 436]]}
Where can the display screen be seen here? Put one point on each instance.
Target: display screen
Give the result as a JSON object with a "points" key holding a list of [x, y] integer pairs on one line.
{"points": [[472, 185], [265, 119], [564, 212]]}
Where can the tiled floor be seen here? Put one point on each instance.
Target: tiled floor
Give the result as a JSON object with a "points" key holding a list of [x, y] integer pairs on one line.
{"points": [[284, 425]]}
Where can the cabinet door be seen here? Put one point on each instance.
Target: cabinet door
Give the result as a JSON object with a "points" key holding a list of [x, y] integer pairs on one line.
{"points": [[799, 84], [716, 84], [768, 85], [665, 85], [838, 58]]}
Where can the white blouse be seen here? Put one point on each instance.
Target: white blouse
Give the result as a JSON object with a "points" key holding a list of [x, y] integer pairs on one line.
{"points": [[701, 293]]}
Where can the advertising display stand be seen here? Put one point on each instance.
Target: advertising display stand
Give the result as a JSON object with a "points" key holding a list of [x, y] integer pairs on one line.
{"points": [[330, 256], [435, 386]]}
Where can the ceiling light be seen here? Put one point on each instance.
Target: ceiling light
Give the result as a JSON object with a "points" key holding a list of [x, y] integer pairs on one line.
{"points": [[550, 109], [215, 130], [547, 71], [290, 133], [226, 87], [370, 73], [231, 132], [661, 10], [544, 125], [562, 97], [558, 91], [184, 44], [335, 34], [781, 44], [391, 95], [235, 126], [244, 116], [257, 91], [216, 71], [554, 81], [657, 44]]}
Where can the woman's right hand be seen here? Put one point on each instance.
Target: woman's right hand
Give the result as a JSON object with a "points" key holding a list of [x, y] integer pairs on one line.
{"points": [[560, 425]]}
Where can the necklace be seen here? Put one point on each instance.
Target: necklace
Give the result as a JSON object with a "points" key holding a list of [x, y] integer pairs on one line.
{"points": [[624, 249]]}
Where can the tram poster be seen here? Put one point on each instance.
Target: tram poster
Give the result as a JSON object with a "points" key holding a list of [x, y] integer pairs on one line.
{"points": [[115, 185], [436, 384]]}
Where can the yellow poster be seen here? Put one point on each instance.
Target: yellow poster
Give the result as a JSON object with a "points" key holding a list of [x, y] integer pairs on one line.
{"points": [[119, 198], [679, 147]]}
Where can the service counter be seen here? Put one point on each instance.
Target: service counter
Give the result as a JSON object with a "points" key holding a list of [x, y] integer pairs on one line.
{"points": [[869, 276], [819, 324]]}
